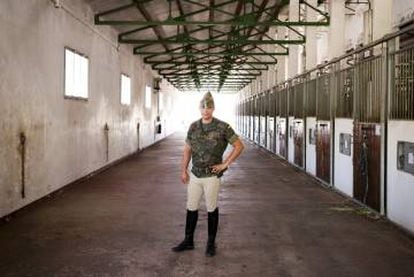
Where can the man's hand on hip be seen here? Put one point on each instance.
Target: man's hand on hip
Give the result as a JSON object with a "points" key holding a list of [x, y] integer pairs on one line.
{"points": [[217, 168]]}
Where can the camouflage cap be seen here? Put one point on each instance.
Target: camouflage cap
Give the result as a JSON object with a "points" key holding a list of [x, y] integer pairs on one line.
{"points": [[207, 101]]}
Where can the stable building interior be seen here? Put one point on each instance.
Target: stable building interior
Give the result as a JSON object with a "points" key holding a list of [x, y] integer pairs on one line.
{"points": [[96, 97]]}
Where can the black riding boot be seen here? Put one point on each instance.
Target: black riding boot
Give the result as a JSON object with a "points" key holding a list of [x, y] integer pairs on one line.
{"points": [[213, 219], [190, 225]]}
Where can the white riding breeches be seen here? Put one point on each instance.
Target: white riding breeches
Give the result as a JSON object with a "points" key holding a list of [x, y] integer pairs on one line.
{"points": [[197, 186]]}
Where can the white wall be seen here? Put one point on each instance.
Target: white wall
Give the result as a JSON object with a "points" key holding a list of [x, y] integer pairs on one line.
{"points": [[336, 33], [311, 41], [382, 18], [343, 163], [293, 59], [65, 137], [354, 26], [189, 103], [400, 185], [310, 148], [321, 47], [402, 11]]}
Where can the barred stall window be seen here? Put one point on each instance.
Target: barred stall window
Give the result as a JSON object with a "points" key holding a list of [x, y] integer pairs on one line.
{"points": [[276, 101], [291, 95], [271, 103], [282, 99], [311, 97], [368, 78], [261, 104], [402, 83], [247, 107], [256, 108], [251, 107], [265, 104], [345, 93], [323, 96], [299, 92]]}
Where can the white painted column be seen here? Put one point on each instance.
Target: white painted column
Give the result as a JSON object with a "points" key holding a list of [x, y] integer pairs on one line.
{"points": [[293, 49], [281, 60], [310, 31], [272, 68], [382, 18], [336, 34], [281, 69]]}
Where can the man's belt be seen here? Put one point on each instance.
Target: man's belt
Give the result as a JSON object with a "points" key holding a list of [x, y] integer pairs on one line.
{"points": [[201, 172]]}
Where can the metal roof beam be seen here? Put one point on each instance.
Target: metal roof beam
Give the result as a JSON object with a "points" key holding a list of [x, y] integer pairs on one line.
{"points": [[212, 41]]}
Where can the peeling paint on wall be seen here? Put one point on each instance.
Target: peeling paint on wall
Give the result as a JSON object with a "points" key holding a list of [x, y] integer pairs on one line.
{"points": [[65, 138]]}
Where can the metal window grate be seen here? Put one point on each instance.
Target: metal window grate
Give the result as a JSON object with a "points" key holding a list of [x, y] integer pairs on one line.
{"points": [[276, 101], [344, 98], [256, 106], [299, 92], [311, 97], [282, 99], [355, 85], [291, 95], [368, 77], [265, 104], [402, 80], [323, 97], [271, 103]]}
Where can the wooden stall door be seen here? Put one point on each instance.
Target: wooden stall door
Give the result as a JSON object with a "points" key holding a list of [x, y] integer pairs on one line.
{"points": [[323, 155], [298, 142], [367, 143]]}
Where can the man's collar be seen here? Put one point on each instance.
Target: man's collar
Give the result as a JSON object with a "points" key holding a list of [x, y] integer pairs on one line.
{"points": [[200, 122]]}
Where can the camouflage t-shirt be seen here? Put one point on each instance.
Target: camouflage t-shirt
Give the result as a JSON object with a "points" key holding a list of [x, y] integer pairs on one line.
{"points": [[208, 143]]}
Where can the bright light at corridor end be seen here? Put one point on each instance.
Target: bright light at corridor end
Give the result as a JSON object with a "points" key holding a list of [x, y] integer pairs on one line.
{"points": [[187, 108]]}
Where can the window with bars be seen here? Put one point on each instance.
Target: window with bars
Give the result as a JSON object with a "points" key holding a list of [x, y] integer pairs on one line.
{"points": [[323, 84], [402, 85], [368, 78], [311, 97], [291, 96], [299, 92], [271, 103], [345, 92], [282, 99], [276, 101]]}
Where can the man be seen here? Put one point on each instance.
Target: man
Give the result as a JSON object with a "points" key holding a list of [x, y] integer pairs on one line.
{"points": [[206, 142]]}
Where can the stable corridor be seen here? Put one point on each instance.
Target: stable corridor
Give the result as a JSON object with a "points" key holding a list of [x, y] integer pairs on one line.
{"points": [[275, 221]]}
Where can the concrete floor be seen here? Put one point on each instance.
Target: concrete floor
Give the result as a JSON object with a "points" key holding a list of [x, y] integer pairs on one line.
{"points": [[275, 221]]}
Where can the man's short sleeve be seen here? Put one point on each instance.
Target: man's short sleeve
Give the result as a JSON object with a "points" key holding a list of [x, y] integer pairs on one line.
{"points": [[230, 135], [188, 138]]}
